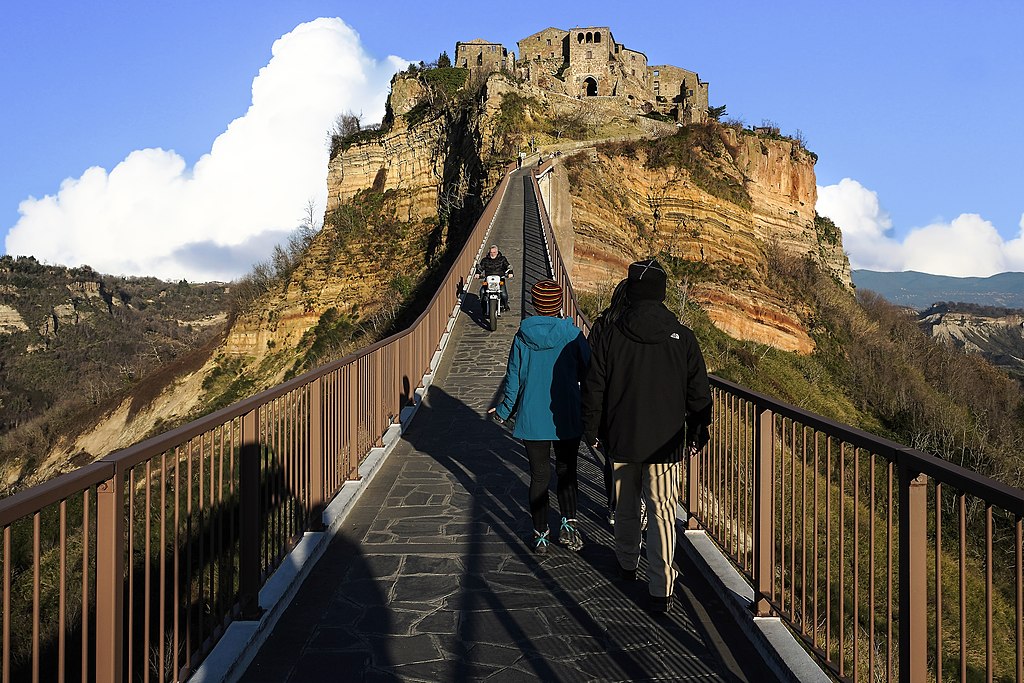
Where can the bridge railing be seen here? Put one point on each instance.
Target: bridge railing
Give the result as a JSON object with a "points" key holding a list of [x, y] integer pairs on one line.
{"points": [[888, 563], [131, 568]]}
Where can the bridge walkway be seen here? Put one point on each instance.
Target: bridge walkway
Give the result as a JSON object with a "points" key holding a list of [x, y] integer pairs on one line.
{"points": [[431, 577]]}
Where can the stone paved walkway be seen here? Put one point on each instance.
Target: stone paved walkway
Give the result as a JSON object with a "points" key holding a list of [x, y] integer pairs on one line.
{"points": [[431, 577]]}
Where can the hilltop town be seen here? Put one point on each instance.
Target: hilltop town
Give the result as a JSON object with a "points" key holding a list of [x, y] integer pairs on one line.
{"points": [[589, 62]]}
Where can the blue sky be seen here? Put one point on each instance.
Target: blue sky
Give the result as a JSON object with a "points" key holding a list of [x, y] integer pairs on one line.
{"points": [[914, 109]]}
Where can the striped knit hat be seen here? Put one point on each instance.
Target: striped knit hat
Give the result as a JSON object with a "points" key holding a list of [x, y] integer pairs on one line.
{"points": [[547, 297]]}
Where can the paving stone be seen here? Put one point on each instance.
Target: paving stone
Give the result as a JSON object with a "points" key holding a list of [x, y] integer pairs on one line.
{"points": [[409, 649], [331, 638], [425, 588], [325, 666], [439, 622]]}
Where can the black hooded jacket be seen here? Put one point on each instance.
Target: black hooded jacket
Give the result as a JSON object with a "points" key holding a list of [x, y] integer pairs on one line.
{"points": [[647, 379]]}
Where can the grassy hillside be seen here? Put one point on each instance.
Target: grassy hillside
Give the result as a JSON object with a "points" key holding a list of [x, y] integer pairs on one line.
{"points": [[90, 340]]}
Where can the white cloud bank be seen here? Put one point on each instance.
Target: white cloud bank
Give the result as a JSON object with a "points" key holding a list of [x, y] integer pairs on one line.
{"points": [[969, 246], [151, 215]]}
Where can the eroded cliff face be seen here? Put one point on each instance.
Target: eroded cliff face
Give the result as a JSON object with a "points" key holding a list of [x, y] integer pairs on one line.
{"points": [[381, 233], [426, 181], [623, 209], [998, 336]]}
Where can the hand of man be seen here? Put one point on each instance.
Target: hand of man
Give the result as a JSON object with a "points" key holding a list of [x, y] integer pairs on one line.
{"points": [[493, 414]]}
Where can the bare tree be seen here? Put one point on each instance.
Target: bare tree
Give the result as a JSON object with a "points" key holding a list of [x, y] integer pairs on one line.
{"points": [[347, 123]]}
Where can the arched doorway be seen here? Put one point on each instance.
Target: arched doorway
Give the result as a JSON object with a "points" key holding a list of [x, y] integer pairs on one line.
{"points": [[590, 86]]}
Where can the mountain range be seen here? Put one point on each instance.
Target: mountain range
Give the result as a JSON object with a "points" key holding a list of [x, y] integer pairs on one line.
{"points": [[921, 290]]}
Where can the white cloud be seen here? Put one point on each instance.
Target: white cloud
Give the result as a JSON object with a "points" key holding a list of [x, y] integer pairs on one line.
{"points": [[151, 215], [969, 246]]}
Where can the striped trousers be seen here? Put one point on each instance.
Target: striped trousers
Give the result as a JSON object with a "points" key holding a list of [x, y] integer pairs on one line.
{"points": [[658, 483]]}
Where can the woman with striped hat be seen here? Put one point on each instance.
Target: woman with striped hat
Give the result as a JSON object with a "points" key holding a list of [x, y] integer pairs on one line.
{"points": [[547, 362]]}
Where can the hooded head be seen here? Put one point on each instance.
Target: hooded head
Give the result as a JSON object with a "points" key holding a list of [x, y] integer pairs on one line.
{"points": [[646, 281], [547, 297]]}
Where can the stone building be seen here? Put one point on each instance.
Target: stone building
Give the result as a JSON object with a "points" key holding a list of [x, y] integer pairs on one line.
{"points": [[482, 55], [679, 93], [587, 61]]}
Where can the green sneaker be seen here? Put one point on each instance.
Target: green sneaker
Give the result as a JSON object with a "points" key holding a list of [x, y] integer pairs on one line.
{"points": [[540, 542], [569, 535]]}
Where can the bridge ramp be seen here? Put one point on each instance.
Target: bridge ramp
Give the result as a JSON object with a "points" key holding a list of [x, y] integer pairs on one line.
{"points": [[432, 577]]}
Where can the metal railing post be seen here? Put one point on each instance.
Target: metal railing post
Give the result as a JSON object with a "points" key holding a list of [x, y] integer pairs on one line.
{"points": [[353, 422], [692, 491], [913, 575], [316, 455], [110, 578], [764, 443], [249, 518]]}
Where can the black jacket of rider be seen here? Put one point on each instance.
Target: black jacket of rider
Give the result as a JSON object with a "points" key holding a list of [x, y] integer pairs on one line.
{"points": [[498, 265]]}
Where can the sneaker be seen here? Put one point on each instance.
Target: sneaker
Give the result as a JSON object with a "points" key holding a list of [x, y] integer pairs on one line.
{"points": [[540, 542], [569, 536], [660, 604], [643, 515]]}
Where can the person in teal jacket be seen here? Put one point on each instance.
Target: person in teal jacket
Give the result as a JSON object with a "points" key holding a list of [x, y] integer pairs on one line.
{"points": [[547, 362]]}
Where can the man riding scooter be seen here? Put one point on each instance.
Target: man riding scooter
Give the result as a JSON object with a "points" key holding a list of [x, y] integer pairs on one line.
{"points": [[494, 263]]}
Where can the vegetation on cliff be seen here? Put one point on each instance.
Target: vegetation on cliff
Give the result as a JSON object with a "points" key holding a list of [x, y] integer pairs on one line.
{"points": [[91, 340]]}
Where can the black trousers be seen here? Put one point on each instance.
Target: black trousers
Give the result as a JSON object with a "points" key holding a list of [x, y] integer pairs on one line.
{"points": [[566, 455]]}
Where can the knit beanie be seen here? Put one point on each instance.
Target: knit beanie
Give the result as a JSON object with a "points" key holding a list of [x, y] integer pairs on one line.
{"points": [[646, 281], [547, 297]]}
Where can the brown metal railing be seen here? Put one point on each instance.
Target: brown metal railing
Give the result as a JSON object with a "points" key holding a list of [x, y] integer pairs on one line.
{"points": [[887, 562], [131, 568]]}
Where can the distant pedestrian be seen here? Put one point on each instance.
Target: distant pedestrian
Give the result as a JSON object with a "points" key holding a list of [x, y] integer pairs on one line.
{"points": [[547, 362], [647, 391]]}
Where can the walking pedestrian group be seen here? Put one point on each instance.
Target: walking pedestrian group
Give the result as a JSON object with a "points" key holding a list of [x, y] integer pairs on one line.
{"points": [[637, 391]]}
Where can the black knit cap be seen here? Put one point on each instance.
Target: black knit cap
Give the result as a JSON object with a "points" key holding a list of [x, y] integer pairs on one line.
{"points": [[646, 281], [547, 297]]}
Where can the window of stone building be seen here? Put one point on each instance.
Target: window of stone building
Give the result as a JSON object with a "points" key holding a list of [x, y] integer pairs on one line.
{"points": [[633, 57], [590, 37], [634, 72], [655, 73], [597, 37], [549, 42], [480, 59], [590, 54], [579, 38]]}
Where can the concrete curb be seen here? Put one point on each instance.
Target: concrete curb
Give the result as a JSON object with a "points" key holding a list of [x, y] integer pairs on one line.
{"points": [[779, 648]]}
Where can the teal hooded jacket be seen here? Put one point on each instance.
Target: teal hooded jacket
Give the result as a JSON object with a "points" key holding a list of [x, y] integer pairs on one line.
{"points": [[547, 362]]}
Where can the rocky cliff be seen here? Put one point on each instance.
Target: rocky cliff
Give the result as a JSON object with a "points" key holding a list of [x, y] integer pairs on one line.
{"points": [[720, 202], [993, 333], [403, 195]]}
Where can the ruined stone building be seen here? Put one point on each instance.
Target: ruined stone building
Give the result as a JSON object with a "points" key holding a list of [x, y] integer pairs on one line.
{"points": [[482, 55], [588, 62]]}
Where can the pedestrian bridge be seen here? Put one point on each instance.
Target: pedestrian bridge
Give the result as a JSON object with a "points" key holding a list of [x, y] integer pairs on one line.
{"points": [[366, 522]]}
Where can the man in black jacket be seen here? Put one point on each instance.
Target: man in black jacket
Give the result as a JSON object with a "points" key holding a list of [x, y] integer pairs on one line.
{"points": [[494, 263], [647, 389]]}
